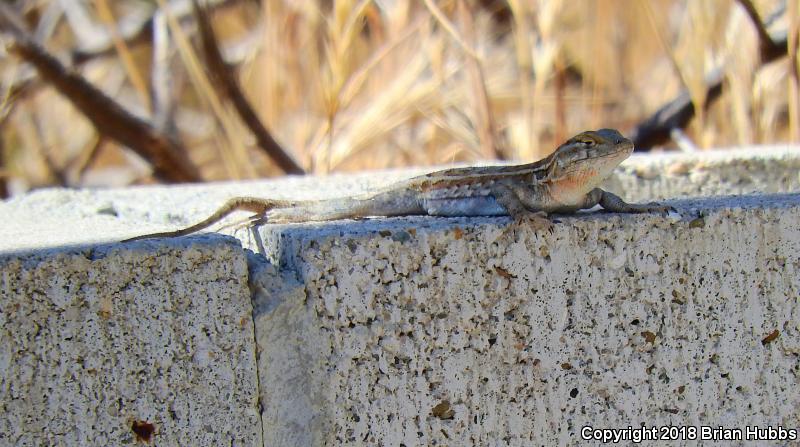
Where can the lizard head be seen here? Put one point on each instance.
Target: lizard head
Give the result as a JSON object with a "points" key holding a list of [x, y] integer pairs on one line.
{"points": [[586, 159]]}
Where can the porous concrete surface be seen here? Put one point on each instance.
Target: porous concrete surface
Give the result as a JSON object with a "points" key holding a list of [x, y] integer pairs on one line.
{"points": [[747, 170], [470, 332], [415, 330], [128, 345]]}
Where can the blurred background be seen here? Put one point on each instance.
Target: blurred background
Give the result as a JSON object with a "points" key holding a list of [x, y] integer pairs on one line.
{"points": [[352, 85]]}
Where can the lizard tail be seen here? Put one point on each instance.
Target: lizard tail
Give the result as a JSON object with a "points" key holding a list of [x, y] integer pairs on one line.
{"points": [[252, 204]]}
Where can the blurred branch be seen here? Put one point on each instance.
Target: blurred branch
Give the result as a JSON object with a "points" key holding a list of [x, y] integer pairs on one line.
{"points": [[166, 155], [222, 74], [131, 29], [231, 148], [768, 48], [677, 113]]}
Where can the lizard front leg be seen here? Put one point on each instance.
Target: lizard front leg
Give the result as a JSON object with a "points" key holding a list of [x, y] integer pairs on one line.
{"points": [[614, 203], [522, 212]]}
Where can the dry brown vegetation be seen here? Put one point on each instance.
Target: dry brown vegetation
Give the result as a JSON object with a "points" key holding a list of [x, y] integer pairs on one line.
{"points": [[347, 85]]}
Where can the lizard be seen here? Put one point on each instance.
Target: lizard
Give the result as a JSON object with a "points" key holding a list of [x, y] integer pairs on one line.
{"points": [[563, 182]]}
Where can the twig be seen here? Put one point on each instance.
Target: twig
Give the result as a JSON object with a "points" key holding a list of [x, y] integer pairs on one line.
{"points": [[223, 76], [133, 28], [484, 121], [166, 155], [677, 113], [767, 47], [231, 147]]}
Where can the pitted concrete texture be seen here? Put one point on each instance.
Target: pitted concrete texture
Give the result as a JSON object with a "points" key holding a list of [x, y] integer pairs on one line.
{"points": [[470, 332], [757, 169], [290, 417], [129, 345]]}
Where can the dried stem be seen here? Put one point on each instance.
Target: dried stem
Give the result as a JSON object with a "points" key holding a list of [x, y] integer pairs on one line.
{"points": [[166, 155], [768, 47], [223, 75], [484, 121]]}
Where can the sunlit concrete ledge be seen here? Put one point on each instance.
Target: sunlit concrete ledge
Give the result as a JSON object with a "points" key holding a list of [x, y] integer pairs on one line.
{"points": [[414, 331]]}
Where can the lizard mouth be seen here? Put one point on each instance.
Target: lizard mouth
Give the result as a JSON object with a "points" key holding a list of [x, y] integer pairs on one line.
{"points": [[625, 147]]}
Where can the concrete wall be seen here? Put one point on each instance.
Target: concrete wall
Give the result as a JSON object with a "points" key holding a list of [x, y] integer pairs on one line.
{"points": [[467, 332], [113, 345], [750, 170], [413, 331]]}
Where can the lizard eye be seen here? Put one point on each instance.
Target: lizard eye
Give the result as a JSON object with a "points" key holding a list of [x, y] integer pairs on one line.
{"points": [[587, 142]]}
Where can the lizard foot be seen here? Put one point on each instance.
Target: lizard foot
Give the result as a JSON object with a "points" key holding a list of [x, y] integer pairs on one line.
{"points": [[652, 207], [249, 222], [655, 207], [536, 220]]}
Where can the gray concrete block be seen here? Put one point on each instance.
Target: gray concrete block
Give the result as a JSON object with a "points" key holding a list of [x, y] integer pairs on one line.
{"points": [[757, 169], [117, 344], [470, 332], [290, 416]]}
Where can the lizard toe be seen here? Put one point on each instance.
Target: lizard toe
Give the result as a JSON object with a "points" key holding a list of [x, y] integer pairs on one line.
{"points": [[655, 207]]}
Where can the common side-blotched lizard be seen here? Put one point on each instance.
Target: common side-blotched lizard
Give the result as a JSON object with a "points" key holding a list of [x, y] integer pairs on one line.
{"points": [[564, 182]]}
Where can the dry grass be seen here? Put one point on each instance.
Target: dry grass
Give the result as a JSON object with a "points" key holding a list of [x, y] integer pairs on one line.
{"points": [[361, 84]]}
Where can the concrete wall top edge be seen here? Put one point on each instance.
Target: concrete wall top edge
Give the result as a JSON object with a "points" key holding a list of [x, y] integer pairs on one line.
{"points": [[63, 217]]}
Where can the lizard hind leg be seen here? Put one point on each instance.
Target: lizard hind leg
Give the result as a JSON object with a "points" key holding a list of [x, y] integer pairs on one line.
{"points": [[253, 204], [517, 209]]}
